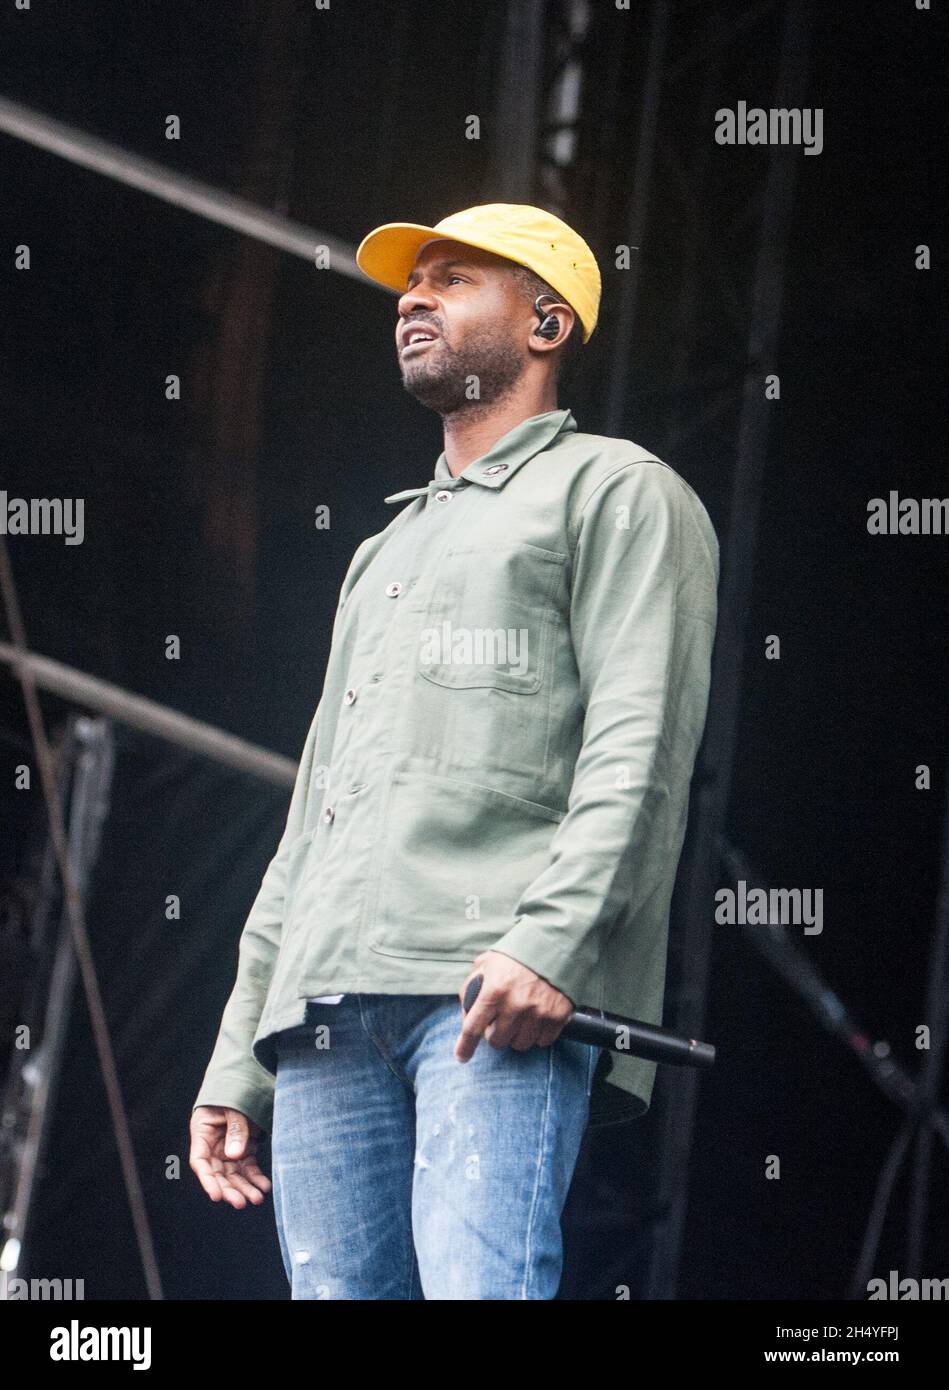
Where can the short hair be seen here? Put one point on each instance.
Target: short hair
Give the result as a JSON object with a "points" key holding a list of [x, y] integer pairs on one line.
{"points": [[531, 285]]}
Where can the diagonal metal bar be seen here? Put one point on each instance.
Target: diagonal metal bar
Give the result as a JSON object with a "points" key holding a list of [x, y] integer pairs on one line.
{"points": [[181, 190], [150, 717]]}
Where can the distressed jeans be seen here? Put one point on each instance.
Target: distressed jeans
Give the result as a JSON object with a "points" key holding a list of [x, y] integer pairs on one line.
{"points": [[401, 1173]]}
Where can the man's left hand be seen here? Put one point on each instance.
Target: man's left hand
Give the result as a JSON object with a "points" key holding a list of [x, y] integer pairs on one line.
{"points": [[514, 1008]]}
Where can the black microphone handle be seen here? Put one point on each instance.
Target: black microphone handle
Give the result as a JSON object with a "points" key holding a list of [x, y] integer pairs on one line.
{"points": [[624, 1035]]}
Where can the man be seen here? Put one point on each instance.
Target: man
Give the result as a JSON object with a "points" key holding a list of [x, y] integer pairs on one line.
{"points": [[495, 783]]}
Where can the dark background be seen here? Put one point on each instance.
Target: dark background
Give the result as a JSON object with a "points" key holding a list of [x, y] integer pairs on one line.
{"points": [[199, 522]]}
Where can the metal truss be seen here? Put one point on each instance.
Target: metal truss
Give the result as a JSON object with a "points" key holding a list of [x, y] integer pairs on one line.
{"points": [[626, 147]]}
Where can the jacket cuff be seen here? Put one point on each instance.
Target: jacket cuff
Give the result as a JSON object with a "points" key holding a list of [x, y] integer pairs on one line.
{"points": [[238, 1093], [567, 965]]}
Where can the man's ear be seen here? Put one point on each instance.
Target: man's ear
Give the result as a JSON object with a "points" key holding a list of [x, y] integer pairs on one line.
{"points": [[567, 322]]}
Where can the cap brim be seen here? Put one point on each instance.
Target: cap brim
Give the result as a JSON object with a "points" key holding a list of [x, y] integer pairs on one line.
{"points": [[388, 253]]}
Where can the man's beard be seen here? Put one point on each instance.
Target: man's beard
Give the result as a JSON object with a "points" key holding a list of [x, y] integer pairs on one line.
{"points": [[447, 382]]}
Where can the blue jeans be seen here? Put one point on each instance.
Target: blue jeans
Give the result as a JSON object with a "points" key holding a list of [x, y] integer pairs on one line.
{"points": [[401, 1173]]}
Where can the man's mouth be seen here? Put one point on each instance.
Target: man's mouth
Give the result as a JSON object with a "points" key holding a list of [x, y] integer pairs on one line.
{"points": [[416, 345], [416, 339]]}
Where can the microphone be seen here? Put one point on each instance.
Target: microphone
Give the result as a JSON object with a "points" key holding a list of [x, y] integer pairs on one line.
{"points": [[623, 1035]]}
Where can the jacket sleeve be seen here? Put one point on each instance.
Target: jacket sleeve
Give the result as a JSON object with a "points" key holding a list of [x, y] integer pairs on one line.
{"points": [[642, 622], [234, 1077]]}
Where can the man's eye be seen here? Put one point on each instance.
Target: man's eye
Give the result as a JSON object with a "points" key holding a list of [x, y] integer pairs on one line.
{"points": [[455, 277]]}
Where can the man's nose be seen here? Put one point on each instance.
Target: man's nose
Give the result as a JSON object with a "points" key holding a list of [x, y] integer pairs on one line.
{"points": [[418, 297]]}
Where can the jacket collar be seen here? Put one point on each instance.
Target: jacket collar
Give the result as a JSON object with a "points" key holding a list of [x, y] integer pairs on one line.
{"points": [[503, 459]]}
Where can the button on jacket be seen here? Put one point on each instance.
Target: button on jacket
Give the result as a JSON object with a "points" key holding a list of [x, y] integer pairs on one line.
{"points": [[501, 755]]}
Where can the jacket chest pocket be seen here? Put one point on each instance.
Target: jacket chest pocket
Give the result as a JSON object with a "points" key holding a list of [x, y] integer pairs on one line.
{"points": [[489, 619]]}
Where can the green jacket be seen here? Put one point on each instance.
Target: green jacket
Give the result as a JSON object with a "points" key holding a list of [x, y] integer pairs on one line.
{"points": [[501, 755]]}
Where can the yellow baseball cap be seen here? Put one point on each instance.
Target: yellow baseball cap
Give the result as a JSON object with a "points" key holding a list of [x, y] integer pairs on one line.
{"points": [[528, 235]]}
